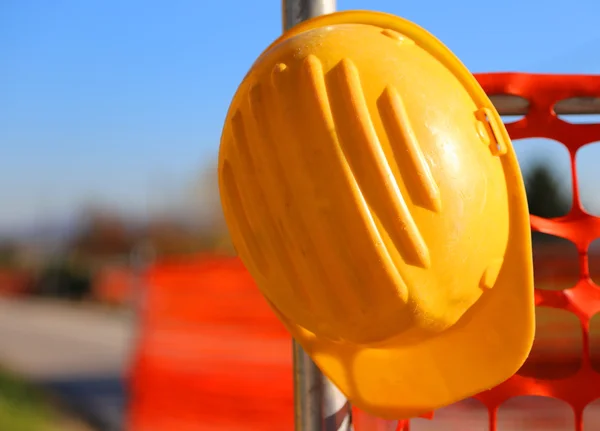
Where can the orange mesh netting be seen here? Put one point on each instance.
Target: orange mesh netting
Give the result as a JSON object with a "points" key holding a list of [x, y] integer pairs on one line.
{"points": [[583, 298]]}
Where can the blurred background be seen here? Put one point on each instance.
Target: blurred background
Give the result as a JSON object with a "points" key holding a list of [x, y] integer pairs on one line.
{"points": [[110, 119]]}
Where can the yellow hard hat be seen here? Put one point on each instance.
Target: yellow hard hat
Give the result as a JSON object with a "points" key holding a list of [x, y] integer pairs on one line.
{"points": [[372, 191]]}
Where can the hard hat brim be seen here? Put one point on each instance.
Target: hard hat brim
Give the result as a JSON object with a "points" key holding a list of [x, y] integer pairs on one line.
{"points": [[488, 344]]}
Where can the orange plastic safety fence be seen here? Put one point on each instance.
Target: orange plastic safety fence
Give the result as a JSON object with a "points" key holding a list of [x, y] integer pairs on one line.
{"points": [[113, 284], [14, 282], [210, 353], [583, 298]]}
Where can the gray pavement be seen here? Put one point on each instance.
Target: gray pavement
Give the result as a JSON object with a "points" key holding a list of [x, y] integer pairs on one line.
{"points": [[80, 353]]}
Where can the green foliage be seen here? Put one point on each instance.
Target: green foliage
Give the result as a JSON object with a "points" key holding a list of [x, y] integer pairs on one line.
{"points": [[545, 195], [22, 408], [64, 280], [8, 254]]}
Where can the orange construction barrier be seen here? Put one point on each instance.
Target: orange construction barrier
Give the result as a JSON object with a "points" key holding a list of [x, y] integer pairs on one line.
{"points": [[14, 282], [212, 355], [113, 284]]}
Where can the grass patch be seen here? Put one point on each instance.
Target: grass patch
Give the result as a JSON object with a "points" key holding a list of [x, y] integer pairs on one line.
{"points": [[24, 408]]}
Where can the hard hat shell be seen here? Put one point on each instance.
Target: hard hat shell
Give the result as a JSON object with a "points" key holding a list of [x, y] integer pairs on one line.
{"points": [[373, 193]]}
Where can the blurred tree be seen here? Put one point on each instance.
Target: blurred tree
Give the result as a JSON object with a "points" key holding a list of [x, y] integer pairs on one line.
{"points": [[545, 196], [102, 236], [206, 208], [8, 254], [61, 278], [168, 237]]}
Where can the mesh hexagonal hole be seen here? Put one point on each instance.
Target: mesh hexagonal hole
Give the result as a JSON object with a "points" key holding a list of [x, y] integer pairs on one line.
{"points": [[557, 348], [546, 170], [555, 262], [591, 416], [533, 413], [507, 119], [578, 110], [466, 415], [580, 118], [595, 342], [594, 261], [588, 176], [511, 108]]}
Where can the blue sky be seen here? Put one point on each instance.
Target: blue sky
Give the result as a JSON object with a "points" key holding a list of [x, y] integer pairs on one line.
{"points": [[122, 101]]}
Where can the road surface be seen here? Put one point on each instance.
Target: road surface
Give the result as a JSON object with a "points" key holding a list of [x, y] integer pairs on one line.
{"points": [[80, 353], [83, 352]]}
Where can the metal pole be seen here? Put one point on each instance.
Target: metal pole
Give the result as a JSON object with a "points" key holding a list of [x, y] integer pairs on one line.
{"points": [[296, 11], [308, 392], [318, 403]]}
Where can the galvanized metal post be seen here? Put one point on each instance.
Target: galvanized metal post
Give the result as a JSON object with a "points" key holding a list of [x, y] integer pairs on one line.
{"points": [[296, 11], [308, 392], [318, 403]]}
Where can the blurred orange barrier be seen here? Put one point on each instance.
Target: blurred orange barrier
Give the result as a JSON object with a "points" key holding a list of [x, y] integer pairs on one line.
{"points": [[211, 355], [14, 282], [113, 284]]}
